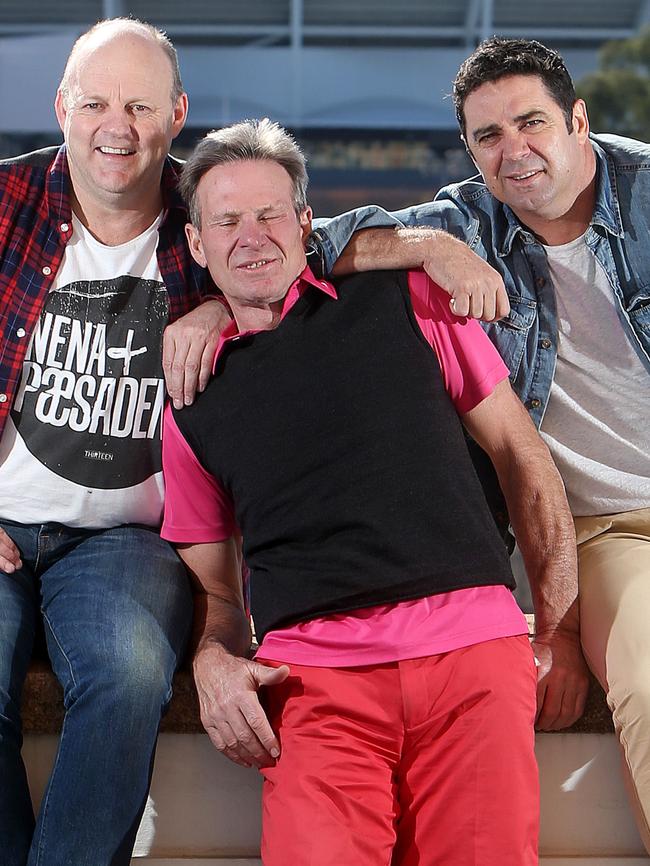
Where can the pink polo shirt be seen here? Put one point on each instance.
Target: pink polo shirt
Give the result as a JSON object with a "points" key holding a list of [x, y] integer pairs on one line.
{"points": [[197, 509]]}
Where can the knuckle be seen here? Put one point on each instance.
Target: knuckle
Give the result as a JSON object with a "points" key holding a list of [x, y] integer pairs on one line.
{"points": [[257, 723]]}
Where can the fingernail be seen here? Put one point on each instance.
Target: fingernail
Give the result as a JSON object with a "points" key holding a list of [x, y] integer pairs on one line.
{"points": [[275, 753]]}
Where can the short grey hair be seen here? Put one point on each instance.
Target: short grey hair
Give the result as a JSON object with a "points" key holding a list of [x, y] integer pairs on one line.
{"points": [[116, 27], [249, 140]]}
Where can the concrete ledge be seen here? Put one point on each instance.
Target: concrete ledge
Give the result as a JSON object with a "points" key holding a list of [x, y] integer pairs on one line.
{"points": [[43, 705], [202, 807]]}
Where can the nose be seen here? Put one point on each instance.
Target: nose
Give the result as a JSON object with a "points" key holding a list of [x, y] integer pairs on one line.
{"points": [[515, 144], [252, 234], [117, 120]]}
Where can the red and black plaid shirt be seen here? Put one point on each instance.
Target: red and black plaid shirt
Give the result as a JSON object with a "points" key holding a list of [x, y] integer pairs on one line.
{"points": [[36, 224]]}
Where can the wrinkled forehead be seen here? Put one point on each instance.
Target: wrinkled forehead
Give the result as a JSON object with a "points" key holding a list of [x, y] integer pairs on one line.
{"points": [[246, 185], [509, 90], [125, 60]]}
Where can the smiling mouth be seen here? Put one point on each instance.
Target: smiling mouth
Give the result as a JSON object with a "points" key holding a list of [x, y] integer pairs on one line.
{"points": [[526, 175], [253, 266], [115, 151]]}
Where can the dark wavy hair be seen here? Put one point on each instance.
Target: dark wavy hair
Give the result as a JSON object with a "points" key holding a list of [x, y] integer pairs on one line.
{"points": [[496, 58]]}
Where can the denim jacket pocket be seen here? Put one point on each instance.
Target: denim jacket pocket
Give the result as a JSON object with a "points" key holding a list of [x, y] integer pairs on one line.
{"points": [[638, 309], [639, 313], [522, 314], [511, 334]]}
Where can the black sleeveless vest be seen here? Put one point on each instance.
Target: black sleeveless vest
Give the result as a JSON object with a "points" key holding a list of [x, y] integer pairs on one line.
{"points": [[345, 459]]}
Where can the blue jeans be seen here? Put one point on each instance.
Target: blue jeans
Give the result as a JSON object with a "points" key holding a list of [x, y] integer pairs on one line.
{"points": [[116, 606]]}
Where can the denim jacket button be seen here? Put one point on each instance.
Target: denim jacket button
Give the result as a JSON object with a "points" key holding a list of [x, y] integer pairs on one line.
{"points": [[534, 403], [546, 343], [541, 282]]}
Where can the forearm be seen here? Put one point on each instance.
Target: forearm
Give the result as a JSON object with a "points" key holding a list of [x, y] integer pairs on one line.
{"points": [[219, 612], [475, 288], [392, 248], [219, 622], [545, 533]]}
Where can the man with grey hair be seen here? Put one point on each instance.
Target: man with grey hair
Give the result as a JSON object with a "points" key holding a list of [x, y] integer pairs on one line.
{"points": [[392, 655], [93, 267]]}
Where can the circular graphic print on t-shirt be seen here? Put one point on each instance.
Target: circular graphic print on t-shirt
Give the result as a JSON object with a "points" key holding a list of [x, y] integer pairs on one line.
{"points": [[91, 397]]}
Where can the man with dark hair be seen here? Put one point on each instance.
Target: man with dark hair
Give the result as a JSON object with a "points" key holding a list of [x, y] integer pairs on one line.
{"points": [[496, 58], [392, 654], [93, 266], [563, 216]]}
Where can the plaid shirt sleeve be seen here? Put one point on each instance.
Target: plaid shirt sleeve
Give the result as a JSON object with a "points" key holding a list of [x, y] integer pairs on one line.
{"points": [[35, 221]]}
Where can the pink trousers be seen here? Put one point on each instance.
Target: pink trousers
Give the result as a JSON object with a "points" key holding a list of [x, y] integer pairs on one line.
{"points": [[424, 762]]}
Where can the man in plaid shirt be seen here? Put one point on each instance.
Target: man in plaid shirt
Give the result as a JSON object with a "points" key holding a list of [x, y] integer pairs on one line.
{"points": [[93, 268]]}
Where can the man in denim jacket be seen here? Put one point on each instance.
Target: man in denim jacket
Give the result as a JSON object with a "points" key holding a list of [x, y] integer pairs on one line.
{"points": [[563, 216]]}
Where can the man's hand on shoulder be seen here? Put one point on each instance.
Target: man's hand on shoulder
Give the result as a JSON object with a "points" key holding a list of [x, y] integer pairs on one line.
{"points": [[189, 345], [231, 713], [562, 679], [475, 288]]}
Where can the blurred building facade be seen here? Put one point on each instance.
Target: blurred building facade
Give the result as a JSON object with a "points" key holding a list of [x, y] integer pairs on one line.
{"points": [[363, 84]]}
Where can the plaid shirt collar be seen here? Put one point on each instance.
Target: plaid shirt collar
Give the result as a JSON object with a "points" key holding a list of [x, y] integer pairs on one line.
{"points": [[58, 188]]}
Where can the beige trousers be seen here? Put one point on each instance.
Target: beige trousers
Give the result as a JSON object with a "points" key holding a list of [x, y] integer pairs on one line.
{"points": [[614, 575]]}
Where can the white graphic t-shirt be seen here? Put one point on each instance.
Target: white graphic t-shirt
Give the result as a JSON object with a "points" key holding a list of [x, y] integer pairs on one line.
{"points": [[82, 446]]}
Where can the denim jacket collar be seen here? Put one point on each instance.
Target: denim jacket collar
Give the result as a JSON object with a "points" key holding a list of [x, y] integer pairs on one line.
{"points": [[514, 228], [607, 212]]}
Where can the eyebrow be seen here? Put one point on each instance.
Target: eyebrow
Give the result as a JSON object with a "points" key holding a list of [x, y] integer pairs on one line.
{"points": [[229, 214], [495, 127]]}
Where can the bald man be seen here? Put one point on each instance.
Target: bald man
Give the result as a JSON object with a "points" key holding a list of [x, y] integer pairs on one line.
{"points": [[93, 270]]}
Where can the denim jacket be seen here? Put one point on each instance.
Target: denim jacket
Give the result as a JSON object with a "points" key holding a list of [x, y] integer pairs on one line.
{"points": [[619, 235]]}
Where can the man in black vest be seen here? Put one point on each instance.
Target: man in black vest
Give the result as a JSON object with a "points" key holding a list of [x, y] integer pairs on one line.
{"points": [[398, 678]]}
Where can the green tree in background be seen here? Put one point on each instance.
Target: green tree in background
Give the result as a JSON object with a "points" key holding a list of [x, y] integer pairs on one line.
{"points": [[618, 94]]}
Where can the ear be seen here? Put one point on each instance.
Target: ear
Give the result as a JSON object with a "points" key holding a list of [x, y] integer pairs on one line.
{"points": [[305, 222], [60, 109], [468, 151], [196, 247], [580, 120], [180, 114]]}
